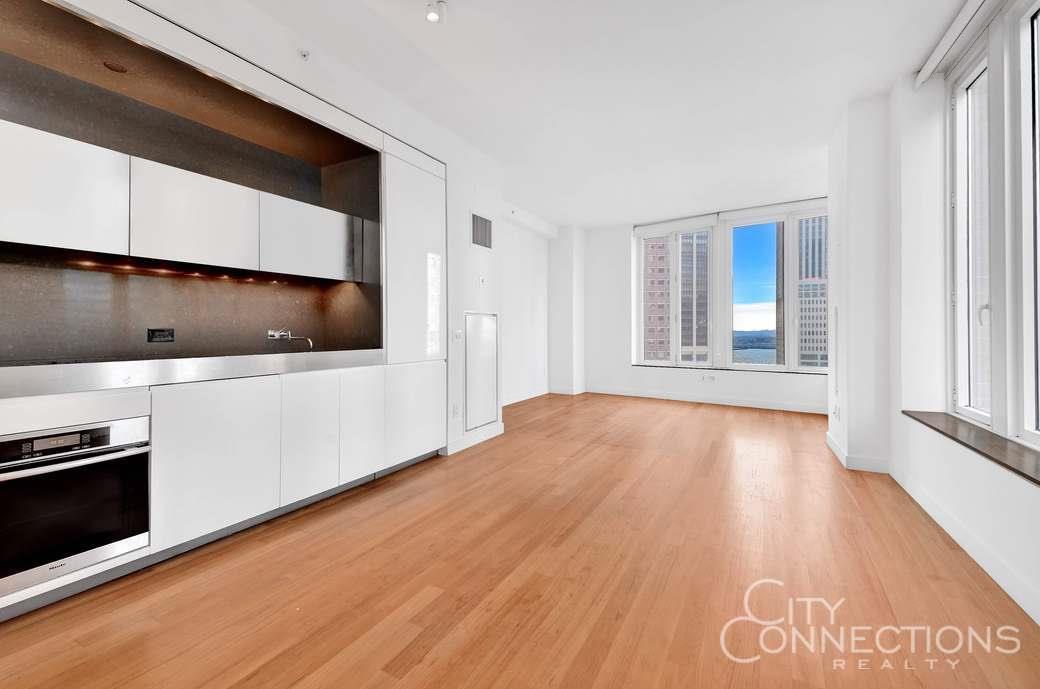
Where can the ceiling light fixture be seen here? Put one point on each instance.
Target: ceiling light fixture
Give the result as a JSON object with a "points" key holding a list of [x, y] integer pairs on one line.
{"points": [[437, 11]]}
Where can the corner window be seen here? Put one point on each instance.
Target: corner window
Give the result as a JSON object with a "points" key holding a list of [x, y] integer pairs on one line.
{"points": [[744, 289]]}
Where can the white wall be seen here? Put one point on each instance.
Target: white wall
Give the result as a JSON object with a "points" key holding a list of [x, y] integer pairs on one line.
{"points": [[474, 181], [567, 312], [524, 322], [987, 509], [859, 235], [609, 340]]}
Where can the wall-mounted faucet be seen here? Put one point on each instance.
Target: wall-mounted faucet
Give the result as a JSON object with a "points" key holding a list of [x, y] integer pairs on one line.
{"points": [[286, 334]]}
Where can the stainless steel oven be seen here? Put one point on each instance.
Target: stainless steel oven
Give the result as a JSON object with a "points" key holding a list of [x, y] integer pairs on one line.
{"points": [[70, 498]]}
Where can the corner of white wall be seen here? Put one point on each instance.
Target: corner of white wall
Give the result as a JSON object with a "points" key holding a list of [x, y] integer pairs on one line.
{"points": [[860, 228], [567, 312]]}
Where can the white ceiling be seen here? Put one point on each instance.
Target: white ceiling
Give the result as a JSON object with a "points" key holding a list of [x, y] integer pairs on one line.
{"points": [[610, 111]]}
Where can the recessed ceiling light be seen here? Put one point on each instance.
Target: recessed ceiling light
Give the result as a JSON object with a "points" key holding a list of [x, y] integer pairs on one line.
{"points": [[437, 12]]}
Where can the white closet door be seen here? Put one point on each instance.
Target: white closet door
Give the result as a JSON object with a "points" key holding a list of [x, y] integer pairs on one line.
{"points": [[481, 369]]}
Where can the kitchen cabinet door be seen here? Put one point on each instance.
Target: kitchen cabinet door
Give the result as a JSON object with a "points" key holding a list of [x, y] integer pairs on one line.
{"points": [[415, 283], [215, 456], [178, 215], [300, 239], [310, 434], [56, 191], [362, 449], [416, 410]]}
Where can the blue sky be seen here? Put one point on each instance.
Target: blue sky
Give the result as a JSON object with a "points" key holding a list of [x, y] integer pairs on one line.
{"points": [[754, 277], [754, 264]]}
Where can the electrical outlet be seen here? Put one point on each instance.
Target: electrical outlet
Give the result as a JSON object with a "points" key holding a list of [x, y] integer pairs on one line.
{"points": [[454, 411], [707, 377], [457, 336], [837, 412]]}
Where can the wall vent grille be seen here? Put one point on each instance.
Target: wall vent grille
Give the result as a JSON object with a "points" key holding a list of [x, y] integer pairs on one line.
{"points": [[481, 231]]}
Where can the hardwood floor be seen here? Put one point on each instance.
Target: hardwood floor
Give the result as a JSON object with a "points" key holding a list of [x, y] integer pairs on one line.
{"points": [[602, 542]]}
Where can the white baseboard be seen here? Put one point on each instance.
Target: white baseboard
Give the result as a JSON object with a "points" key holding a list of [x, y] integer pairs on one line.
{"points": [[1021, 588], [838, 450], [474, 437], [877, 465], [563, 391], [732, 402]]}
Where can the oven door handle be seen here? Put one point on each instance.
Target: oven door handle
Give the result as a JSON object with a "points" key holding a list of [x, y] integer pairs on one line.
{"points": [[52, 468]]}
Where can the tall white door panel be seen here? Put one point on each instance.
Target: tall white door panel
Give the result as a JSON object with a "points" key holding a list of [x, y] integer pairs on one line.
{"points": [[416, 315]]}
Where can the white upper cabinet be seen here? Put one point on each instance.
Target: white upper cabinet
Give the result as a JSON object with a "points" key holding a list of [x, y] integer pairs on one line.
{"points": [[415, 278], [300, 239], [183, 216], [60, 192], [310, 434], [361, 408], [216, 456], [416, 410]]}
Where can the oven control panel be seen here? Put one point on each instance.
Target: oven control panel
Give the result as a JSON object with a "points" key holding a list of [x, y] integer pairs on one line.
{"points": [[51, 443]]}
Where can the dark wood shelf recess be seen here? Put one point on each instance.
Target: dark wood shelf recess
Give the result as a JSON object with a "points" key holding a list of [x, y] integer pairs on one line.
{"points": [[1011, 455]]}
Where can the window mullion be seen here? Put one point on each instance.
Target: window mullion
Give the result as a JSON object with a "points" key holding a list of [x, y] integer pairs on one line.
{"points": [[676, 292]]}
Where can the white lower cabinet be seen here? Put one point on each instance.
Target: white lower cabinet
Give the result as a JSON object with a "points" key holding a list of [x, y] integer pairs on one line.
{"points": [[362, 450], [215, 456], [416, 410], [228, 450], [310, 434]]}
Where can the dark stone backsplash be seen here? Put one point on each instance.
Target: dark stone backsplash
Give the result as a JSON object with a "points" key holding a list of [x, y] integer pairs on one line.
{"points": [[63, 306]]}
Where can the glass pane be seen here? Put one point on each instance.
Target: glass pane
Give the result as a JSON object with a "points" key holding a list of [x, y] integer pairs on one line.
{"points": [[657, 299], [978, 312], [758, 295], [695, 257], [99, 504], [812, 292]]}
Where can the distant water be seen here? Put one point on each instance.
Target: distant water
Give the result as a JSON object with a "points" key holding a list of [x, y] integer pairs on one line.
{"points": [[754, 356]]}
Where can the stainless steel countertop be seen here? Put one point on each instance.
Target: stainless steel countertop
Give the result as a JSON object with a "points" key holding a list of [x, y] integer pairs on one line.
{"points": [[27, 381]]}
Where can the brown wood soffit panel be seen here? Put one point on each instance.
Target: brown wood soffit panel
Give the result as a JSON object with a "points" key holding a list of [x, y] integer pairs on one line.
{"points": [[53, 38]]}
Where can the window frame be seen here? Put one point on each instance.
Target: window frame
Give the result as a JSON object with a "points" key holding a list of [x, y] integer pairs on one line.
{"points": [[789, 214], [1023, 104], [971, 66], [671, 231], [720, 299]]}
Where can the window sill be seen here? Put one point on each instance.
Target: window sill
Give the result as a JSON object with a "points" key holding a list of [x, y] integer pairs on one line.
{"points": [[1009, 454], [735, 368]]}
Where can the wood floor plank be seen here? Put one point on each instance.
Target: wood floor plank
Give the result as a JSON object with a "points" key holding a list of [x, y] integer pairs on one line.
{"points": [[603, 542]]}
